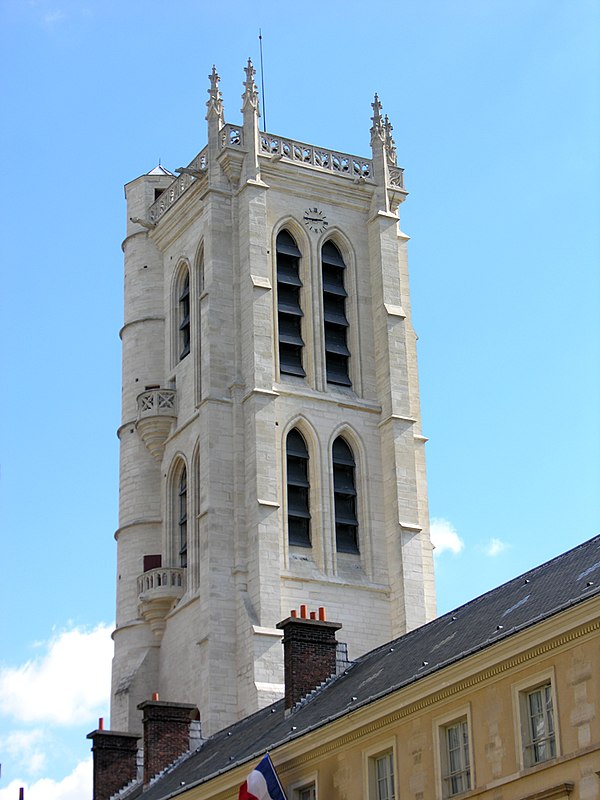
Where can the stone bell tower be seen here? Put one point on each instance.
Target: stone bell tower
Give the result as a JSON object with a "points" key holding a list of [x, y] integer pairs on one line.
{"points": [[271, 445]]}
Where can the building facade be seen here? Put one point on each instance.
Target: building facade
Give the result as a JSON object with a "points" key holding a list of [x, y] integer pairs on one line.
{"points": [[496, 700], [271, 445]]}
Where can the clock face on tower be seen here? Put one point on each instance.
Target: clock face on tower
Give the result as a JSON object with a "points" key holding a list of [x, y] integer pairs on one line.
{"points": [[315, 220]]}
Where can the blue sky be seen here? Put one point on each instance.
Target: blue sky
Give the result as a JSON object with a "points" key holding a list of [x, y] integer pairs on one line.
{"points": [[496, 113]]}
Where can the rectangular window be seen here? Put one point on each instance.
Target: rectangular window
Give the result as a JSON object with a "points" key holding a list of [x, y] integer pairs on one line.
{"points": [[456, 762], [538, 725], [383, 777], [306, 792]]}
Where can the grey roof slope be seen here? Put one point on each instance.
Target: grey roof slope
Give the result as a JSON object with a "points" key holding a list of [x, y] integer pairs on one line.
{"points": [[538, 594]]}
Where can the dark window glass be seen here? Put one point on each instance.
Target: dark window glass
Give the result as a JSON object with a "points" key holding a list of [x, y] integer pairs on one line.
{"points": [[334, 314], [182, 519], [289, 311], [184, 317], [344, 488], [298, 509]]}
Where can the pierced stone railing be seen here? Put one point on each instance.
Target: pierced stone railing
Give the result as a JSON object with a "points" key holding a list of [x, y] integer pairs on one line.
{"points": [[232, 136], [157, 402], [159, 591], [330, 160], [180, 185], [156, 414], [396, 177], [169, 581]]}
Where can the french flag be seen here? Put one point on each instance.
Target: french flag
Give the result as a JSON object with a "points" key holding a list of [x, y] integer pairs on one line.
{"points": [[262, 783]]}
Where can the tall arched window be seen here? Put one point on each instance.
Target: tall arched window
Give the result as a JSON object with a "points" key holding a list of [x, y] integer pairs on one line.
{"points": [[289, 311], [184, 315], [298, 507], [334, 310], [182, 518], [344, 488]]}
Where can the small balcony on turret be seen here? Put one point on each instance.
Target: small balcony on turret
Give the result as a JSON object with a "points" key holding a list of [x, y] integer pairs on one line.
{"points": [[159, 591], [157, 411]]}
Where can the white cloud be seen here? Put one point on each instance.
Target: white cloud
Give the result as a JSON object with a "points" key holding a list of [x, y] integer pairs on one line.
{"points": [[25, 749], [75, 786], [495, 547], [445, 537], [67, 684], [52, 17]]}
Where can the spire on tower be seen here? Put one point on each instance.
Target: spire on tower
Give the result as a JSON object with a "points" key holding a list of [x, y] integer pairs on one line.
{"points": [[250, 91], [215, 100], [377, 131], [390, 144]]}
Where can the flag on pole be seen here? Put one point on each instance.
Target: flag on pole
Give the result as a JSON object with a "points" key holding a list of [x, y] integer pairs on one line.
{"points": [[262, 783]]}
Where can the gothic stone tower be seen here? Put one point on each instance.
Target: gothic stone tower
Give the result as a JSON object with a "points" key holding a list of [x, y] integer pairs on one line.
{"points": [[271, 447]]}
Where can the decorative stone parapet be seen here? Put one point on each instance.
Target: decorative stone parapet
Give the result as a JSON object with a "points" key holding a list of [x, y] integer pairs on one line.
{"points": [[156, 414], [180, 185], [309, 155], [159, 590], [232, 136], [354, 167]]}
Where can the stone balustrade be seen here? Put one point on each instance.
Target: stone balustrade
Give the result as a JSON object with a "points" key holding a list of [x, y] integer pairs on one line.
{"points": [[232, 136], [180, 185], [396, 177], [309, 155], [159, 591], [156, 414], [163, 581], [157, 402]]}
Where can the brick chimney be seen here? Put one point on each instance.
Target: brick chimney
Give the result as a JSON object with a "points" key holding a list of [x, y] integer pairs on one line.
{"points": [[115, 761], [166, 733], [309, 652]]}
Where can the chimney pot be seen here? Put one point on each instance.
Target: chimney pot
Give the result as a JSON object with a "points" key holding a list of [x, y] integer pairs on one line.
{"points": [[322, 613], [313, 614], [101, 723], [293, 613], [303, 610], [155, 696]]}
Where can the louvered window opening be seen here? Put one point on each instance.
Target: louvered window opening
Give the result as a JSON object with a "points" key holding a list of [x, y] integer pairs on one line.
{"points": [[298, 487], [344, 489], [182, 519], [289, 311], [337, 353], [184, 318]]}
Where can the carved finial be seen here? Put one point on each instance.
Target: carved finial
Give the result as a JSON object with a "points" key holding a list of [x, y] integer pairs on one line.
{"points": [[377, 131], [250, 91], [215, 100], [390, 144], [376, 106]]}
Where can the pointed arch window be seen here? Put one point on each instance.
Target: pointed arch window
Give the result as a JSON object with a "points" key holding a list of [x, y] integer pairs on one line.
{"points": [[289, 311], [184, 316], [298, 489], [344, 489], [182, 518], [337, 353]]}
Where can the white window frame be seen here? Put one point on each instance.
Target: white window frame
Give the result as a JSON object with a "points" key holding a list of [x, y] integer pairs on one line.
{"points": [[386, 749], [307, 782], [523, 733], [440, 750]]}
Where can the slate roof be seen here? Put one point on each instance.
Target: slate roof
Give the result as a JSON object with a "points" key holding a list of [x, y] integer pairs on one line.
{"points": [[567, 580]]}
